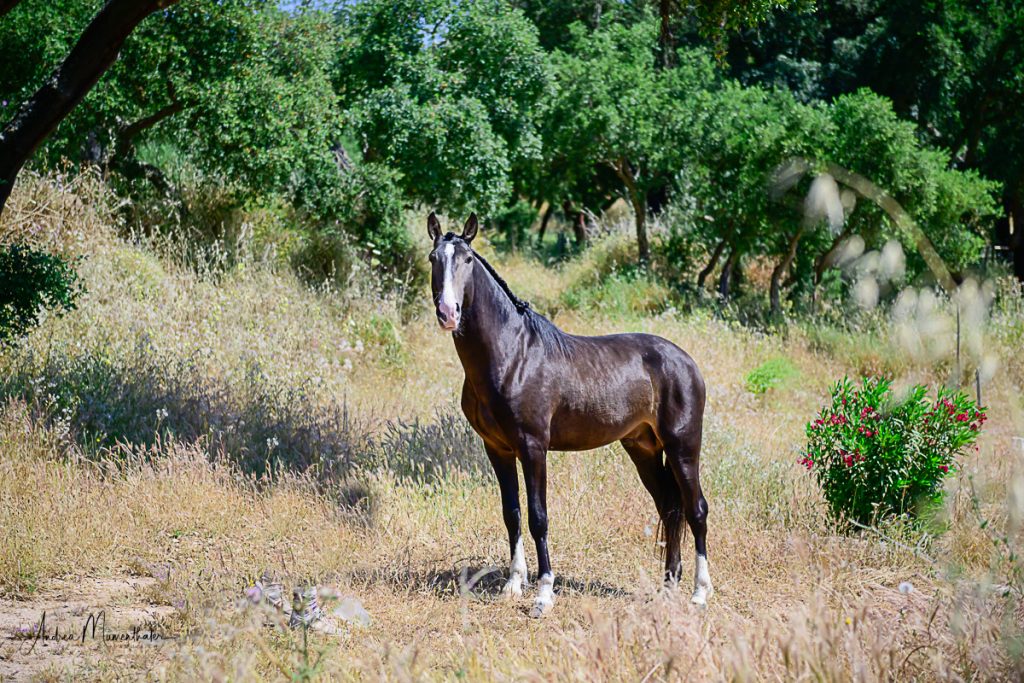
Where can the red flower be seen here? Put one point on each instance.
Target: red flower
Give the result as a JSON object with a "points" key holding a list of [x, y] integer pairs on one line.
{"points": [[963, 417], [807, 462], [944, 468]]}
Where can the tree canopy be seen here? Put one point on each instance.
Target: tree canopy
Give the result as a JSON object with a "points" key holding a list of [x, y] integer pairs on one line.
{"points": [[349, 113]]}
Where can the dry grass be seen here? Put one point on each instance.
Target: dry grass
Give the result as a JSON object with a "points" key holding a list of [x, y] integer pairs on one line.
{"points": [[250, 344]]}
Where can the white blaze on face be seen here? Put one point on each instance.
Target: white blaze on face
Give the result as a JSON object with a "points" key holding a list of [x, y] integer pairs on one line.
{"points": [[448, 288]]}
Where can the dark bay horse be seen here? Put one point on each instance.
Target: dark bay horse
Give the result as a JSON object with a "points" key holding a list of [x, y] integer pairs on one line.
{"points": [[531, 387]]}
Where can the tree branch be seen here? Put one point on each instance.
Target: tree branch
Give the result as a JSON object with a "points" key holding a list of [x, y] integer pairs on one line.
{"points": [[94, 53]]}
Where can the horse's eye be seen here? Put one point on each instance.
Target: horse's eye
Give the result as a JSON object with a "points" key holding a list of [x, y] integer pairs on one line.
{"points": [[469, 259]]}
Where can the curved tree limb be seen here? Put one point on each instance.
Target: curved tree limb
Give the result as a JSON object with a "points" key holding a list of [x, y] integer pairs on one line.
{"points": [[94, 53], [780, 270], [702, 276], [869, 190]]}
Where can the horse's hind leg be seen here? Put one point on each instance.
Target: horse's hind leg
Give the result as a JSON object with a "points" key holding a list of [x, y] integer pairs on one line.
{"points": [[504, 465], [682, 454], [659, 481]]}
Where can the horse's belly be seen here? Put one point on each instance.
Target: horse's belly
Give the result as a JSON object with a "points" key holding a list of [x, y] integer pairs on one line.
{"points": [[585, 422]]}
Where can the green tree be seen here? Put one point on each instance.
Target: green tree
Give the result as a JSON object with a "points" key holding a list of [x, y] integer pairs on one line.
{"points": [[39, 114], [955, 69], [444, 93], [615, 109], [240, 88]]}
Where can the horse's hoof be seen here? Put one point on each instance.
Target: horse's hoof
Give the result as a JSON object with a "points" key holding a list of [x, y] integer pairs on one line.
{"points": [[540, 608], [512, 590], [701, 595]]}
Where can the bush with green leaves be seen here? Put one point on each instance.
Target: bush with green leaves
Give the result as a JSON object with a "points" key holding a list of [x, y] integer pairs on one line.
{"points": [[876, 455], [770, 374], [32, 281]]}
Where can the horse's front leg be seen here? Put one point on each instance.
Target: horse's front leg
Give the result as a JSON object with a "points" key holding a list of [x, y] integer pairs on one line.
{"points": [[504, 465], [534, 458]]}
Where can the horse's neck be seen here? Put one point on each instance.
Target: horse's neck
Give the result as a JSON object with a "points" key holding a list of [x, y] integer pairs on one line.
{"points": [[490, 326]]}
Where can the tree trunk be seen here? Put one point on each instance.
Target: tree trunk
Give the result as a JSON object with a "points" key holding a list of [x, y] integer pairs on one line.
{"points": [[1015, 214], [544, 224], [643, 246], [639, 202], [94, 53], [578, 222], [726, 276], [579, 229], [666, 41], [702, 276], [781, 269]]}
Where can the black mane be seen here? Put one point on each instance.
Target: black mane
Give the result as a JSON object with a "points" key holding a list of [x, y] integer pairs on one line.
{"points": [[521, 306]]}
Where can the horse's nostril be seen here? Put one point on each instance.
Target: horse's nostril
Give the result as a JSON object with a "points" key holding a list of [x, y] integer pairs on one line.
{"points": [[458, 308]]}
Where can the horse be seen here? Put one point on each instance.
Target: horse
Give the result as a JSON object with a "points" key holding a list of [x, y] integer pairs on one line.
{"points": [[530, 387]]}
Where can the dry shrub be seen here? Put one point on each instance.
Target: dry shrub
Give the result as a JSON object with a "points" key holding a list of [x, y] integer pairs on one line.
{"points": [[67, 213]]}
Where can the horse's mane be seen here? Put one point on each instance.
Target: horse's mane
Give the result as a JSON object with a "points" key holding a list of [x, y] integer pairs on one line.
{"points": [[535, 321], [521, 305]]}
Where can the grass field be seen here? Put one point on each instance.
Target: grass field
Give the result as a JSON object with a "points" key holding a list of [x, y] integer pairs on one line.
{"points": [[187, 429]]}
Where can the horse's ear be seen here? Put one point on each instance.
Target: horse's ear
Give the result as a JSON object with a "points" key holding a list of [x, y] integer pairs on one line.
{"points": [[469, 231], [433, 226]]}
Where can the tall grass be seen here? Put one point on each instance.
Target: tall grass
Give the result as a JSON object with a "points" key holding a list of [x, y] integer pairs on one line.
{"points": [[198, 420]]}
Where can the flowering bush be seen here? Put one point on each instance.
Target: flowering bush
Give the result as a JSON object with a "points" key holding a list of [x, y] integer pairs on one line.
{"points": [[874, 455]]}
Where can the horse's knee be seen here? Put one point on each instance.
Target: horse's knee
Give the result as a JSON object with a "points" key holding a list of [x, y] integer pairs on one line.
{"points": [[538, 522], [700, 510]]}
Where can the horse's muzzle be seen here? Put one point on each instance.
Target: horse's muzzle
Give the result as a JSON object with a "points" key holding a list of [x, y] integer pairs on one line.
{"points": [[448, 316]]}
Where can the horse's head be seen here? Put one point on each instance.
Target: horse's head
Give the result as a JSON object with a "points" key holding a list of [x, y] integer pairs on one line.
{"points": [[451, 269]]}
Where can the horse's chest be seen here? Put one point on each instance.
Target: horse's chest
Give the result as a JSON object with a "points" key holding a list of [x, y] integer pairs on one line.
{"points": [[481, 416]]}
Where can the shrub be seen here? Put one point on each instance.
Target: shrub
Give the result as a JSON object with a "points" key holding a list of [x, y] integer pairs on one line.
{"points": [[514, 222], [876, 456], [770, 374], [32, 281]]}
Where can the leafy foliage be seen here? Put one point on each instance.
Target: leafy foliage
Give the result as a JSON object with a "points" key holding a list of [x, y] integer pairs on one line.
{"points": [[875, 455], [770, 374], [615, 110], [31, 282], [444, 92]]}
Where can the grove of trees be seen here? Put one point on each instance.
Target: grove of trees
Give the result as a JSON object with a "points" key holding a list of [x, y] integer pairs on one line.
{"points": [[349, 113]]}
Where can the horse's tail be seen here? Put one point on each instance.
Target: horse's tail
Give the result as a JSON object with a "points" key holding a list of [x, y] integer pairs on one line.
{"points": [[672, 522]]}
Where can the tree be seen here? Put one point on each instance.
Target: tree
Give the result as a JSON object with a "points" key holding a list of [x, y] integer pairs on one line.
{"points": [[747, 133], [238, 89], [91, 56], [615, 109], [445, 93], [956, 69]]}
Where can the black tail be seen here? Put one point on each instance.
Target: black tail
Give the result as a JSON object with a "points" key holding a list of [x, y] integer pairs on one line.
{"points": [[672, 524]]}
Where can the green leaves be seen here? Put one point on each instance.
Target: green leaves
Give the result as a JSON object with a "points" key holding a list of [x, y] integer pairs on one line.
{"points": [[875, 455], [31, 282], [445, 93]]}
